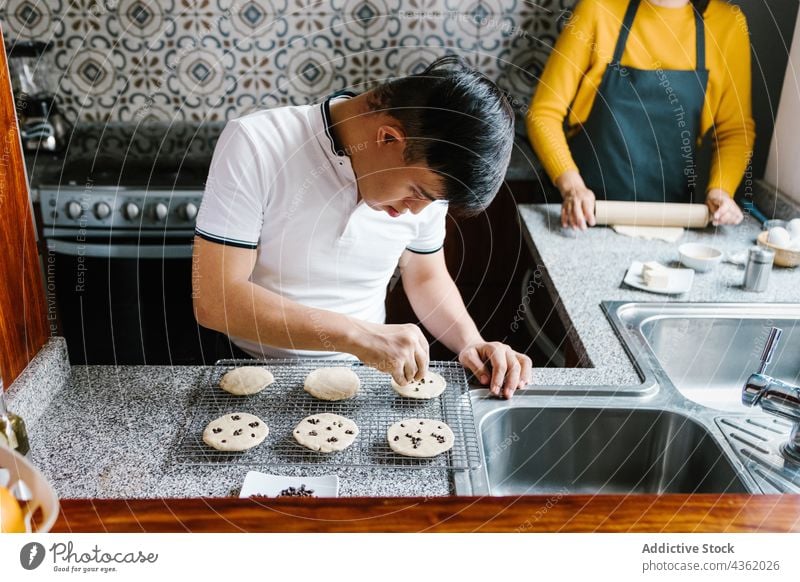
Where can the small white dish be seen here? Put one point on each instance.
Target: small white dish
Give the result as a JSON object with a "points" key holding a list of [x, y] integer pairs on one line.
{"points": [[262, 484], [680, 280], [699, 257]]}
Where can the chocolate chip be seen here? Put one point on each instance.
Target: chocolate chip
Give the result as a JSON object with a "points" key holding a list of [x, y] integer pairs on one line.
{"points": [[416, 389], [237, 432], [348, 432], [419, 430], [328, 428], [236, 417], [438, 437], [253, 424], [312, 433], [332, 440], [397, 438], [403, 425], [252, 434], [216, 430], [421, 422], [313, 420], [224, 441], [297, 492]]}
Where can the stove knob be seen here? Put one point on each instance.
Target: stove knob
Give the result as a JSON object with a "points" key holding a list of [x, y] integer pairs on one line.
{"points": [[131, 211], [74, 210], [161, 211], [102, 210], [189, 211]]}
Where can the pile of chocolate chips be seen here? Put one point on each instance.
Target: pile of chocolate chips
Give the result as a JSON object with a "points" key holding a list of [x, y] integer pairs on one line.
{"points": [[297, 492]]}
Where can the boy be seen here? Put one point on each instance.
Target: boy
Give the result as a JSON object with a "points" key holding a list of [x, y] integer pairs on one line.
{"points": [[309, 210]]}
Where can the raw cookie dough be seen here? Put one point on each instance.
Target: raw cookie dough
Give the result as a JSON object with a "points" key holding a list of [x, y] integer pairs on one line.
{"points": [[326, 432], [246, 380], [332, 383], [236, 431], [420, 437], [429, 387]]}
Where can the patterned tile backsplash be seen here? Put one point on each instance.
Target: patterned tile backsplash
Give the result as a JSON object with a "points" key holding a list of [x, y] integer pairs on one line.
{"points": [[212, 60]]}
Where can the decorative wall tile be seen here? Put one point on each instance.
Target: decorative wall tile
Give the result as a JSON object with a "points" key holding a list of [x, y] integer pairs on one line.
{"points": [[29, 19], [172, 60], [312, 66]]}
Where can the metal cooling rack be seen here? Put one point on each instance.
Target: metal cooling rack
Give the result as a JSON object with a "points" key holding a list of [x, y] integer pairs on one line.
{"points": [[374, 409]]}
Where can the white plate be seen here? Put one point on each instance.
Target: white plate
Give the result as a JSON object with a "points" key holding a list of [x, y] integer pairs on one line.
{"points": [[680, 280], [256, 483]]}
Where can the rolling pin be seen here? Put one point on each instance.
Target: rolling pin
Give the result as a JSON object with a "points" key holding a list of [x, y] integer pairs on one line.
{"points": [[651, 214]]}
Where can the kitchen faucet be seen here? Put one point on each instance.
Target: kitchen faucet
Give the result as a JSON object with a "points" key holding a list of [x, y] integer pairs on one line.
{"points": [[775, 396]]}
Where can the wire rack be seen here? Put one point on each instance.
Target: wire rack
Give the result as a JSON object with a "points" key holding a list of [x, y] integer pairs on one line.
{"points": [[374, 409]]}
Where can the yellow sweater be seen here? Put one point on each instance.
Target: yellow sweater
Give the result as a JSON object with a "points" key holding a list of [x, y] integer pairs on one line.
{"points": [[659, 35]]}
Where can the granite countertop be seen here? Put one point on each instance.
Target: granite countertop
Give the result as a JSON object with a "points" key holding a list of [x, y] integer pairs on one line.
{"points": [[586, 268], [108, 433]]}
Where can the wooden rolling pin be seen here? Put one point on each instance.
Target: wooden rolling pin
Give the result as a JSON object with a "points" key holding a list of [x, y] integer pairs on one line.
{"points": [[651, 214]]}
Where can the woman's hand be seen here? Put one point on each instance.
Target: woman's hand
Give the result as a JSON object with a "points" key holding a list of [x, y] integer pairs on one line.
{"points": [[722, 207], [577, 210]]}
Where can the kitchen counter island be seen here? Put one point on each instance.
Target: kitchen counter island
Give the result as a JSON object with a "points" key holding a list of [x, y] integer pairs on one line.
{"points": [[103, 436]]}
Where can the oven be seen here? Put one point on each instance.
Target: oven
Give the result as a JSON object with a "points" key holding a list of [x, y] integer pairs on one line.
{"points": [[118, 269]]}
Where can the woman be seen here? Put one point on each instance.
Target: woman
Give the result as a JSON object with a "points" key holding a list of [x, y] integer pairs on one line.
{"points": [[629, 91]]}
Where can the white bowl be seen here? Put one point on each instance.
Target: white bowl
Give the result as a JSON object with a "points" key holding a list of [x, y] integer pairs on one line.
{"points": [[17, 470], [699, 257]]}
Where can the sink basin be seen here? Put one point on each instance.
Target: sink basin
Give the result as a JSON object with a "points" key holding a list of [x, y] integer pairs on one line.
{"points": [[709, 350], [601, 450]]}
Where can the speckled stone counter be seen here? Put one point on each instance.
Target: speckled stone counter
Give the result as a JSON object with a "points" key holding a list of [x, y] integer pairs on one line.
{"points": [[108, 434], [585, 268]]}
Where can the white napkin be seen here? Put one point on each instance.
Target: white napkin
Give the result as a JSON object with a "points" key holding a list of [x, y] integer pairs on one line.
{"points": [[665, 233]]}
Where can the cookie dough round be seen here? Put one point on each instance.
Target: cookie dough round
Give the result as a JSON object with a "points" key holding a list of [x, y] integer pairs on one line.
{"points": [[420, 437], [326, 432], [246, 380], [332, 383], [429, 387], [236, 431]]}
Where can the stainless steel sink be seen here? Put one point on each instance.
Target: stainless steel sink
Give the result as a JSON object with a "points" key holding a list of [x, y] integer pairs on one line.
{"points": [[606, 450], [708, 351], [686, 432]]}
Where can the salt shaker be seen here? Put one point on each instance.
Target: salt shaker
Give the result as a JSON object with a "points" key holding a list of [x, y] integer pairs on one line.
{"points": [[759, 265]]}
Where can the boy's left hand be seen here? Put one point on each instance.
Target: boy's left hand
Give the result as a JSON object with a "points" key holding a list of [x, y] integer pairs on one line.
{"points": [[497, 362]]}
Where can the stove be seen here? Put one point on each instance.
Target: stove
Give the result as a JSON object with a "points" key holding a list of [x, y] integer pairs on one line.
{"points": [[116, 212]]}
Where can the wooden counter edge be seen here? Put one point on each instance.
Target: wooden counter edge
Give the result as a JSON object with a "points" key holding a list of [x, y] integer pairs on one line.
{"points": [[571, 513]]}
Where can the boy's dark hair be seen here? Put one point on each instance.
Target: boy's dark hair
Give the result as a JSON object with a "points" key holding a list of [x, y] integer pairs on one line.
{"points": [[458, 123]]}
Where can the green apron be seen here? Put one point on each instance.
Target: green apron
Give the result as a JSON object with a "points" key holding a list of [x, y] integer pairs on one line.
{"points": [[638, 142]]}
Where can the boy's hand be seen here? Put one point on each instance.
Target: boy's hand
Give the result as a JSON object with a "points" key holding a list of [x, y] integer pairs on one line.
{"points": [[496, 362]]}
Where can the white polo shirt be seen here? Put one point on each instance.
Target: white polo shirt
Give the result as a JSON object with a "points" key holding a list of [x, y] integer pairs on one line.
{"points": [[277, 184]]}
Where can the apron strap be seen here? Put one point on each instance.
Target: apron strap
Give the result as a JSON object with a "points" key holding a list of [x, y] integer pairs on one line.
{"points": [[700, 41], [627, 22]]}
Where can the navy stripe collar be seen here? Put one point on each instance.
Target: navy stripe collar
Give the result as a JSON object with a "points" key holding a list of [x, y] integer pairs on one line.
{"points": [[336, 148]]}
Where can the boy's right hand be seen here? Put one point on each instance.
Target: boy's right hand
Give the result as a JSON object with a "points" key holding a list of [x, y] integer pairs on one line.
{"points": [[399, 349]]}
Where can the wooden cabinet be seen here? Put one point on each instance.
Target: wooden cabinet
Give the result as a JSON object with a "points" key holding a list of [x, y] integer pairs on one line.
{"points": [[23, 322]]}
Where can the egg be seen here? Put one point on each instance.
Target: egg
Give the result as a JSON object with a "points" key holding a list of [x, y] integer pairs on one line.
{"points": [[778, 236], [794, 228]]}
